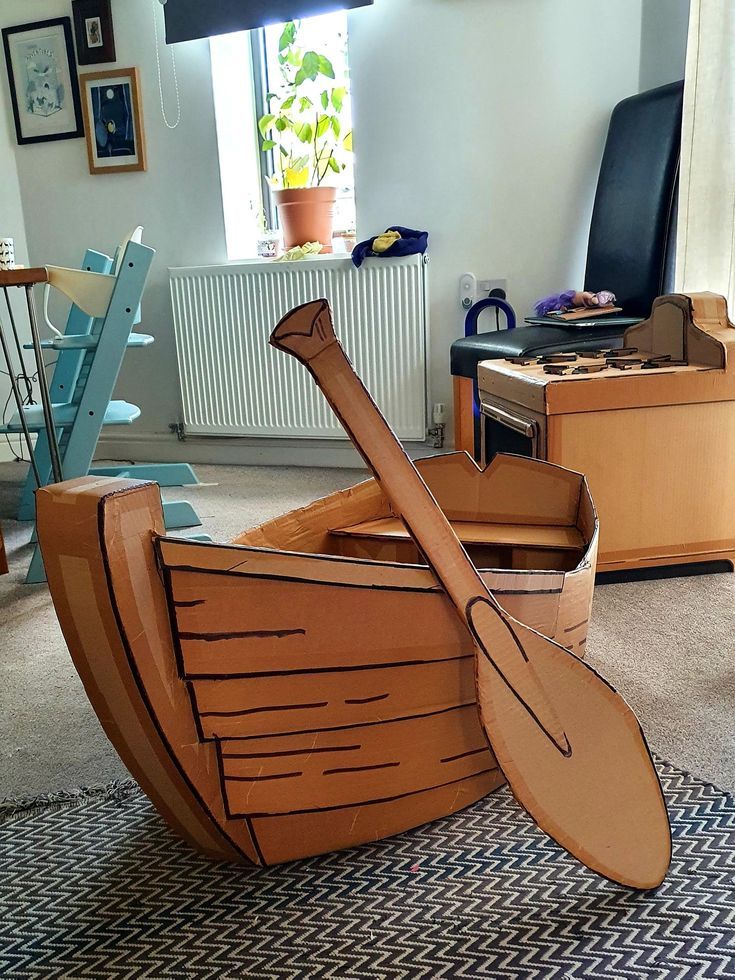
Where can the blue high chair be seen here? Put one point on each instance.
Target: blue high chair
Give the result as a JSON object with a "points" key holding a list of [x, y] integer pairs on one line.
{"points": [[90, 352]]}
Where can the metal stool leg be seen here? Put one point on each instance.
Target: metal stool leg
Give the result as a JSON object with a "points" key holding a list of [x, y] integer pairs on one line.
{"points": [[48, 417], [19, 405]]}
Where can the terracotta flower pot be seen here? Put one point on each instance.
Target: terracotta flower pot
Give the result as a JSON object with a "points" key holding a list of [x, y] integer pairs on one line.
{"points": [[306, 215]]}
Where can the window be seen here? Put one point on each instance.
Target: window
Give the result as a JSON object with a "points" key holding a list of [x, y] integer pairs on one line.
{"points": [[246, 71]]}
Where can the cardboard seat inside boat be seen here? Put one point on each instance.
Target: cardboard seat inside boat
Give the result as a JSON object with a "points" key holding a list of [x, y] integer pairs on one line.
{"points": [[516, 514], [309, 686]]}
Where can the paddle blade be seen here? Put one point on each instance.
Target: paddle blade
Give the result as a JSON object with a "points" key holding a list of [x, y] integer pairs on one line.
{"points": [[601, 801]]}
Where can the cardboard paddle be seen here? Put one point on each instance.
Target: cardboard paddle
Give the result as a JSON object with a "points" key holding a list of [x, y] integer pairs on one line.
{"points": [[570, 747]]}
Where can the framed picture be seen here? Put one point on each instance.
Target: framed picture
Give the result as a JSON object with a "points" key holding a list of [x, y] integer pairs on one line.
{"points": [[43, 81], [93, 30], [113, 121]]}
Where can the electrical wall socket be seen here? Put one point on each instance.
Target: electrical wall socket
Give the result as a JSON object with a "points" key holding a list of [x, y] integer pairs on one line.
{"points": [[470, 290], [485, 286]]}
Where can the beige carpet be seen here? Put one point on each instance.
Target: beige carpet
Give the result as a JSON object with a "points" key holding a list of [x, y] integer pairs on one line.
{"points": [[668, 646]]}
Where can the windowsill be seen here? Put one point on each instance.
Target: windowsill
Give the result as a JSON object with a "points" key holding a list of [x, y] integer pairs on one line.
{"points": [[333, 258]]}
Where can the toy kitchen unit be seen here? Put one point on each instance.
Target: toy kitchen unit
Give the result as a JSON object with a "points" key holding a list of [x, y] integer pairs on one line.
{"points": [[651, 425]]}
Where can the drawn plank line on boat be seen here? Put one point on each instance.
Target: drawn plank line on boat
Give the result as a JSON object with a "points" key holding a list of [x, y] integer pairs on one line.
{"points": [[383, 799], [282, 755], [322, 670], [450, 730], [374, 775], [336, 728], [464, 755], [237, 706], [378, 587], [571, 629], [231, 573], [258, 710], [263, 779], [392, 758], [242, 635], [351, 769], [376, 697]]}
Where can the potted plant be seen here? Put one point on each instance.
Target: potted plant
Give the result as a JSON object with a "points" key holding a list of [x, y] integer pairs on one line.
{"points": [[303, 127]]}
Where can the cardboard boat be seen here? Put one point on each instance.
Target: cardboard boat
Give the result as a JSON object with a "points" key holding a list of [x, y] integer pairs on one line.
{"points": [[308, 687]]}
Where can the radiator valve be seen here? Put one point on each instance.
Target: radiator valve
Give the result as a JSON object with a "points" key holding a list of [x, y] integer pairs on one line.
{"points": [[436, 431]]}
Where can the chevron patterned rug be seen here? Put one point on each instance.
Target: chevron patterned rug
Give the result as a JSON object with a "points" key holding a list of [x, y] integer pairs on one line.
{"points": [[98, 887]]}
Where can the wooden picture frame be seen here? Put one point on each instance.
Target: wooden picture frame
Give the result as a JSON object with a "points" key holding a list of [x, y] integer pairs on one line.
{"points": [[42, 73], [93, 31], [113, 121]]}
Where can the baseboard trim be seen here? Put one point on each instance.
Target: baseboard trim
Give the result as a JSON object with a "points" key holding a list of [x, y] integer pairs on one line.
{"points": [[151, 447], [8, 454]]}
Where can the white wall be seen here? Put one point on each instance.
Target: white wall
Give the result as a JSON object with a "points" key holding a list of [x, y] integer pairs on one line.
{"points": [[484, 122], [663, 42], [178, 200]]}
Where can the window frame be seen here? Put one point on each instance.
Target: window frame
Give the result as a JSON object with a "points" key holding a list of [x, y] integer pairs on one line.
{"points": [[267, 163]]}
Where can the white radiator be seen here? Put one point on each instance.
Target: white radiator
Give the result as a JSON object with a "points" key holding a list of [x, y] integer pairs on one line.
{"points": [[234, 384]]}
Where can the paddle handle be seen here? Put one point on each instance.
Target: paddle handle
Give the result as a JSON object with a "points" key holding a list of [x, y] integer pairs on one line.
{"points": [[307, 333]]}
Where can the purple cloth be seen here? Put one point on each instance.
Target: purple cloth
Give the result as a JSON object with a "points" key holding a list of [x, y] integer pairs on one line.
{"points": [[558, 301], [565, 301]]}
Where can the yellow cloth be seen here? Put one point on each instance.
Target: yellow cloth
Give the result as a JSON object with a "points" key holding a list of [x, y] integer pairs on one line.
{"points": [[383, 242]]}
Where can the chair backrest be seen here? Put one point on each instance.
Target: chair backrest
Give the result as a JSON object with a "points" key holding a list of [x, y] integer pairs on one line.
{"points": [[633, 229], [69, 362]]}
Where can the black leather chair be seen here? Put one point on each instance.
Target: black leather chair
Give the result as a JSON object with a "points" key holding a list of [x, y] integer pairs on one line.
{"points": [[631, 246]]}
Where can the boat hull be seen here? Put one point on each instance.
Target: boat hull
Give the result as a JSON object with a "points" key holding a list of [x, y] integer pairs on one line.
{"points": [[273, 704]]}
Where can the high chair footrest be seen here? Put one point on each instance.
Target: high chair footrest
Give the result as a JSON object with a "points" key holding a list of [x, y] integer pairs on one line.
{"points": [[87, 342], [116, 413]]}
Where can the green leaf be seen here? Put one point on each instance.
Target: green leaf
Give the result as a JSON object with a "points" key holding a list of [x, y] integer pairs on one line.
{"points": [[300, 163], [347, 142], [270, 95], [336, 167], [325, 99], [311, 64], [322, 126], [288, 36], [282, 123], [305, 103], [336, 126], [284, 151], [287, 103], [338, 98], [265, 122], [268, 145], [304, 132], [300, 78], [325, 66]]}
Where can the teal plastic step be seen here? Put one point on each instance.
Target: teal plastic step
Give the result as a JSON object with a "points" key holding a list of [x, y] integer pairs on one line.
{"points": [[164, 474], [117, 413], [179, 513]]}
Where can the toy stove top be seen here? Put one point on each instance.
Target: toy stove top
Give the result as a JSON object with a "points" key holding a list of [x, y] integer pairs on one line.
{"points": [[608, 361], [684, 353]]}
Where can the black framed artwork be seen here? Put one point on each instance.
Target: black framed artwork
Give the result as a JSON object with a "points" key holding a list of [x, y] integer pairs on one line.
{"points": [[42, 75], [93, 31]]}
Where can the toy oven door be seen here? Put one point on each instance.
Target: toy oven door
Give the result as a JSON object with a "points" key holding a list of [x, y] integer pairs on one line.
{"points": [[506, 428]]}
